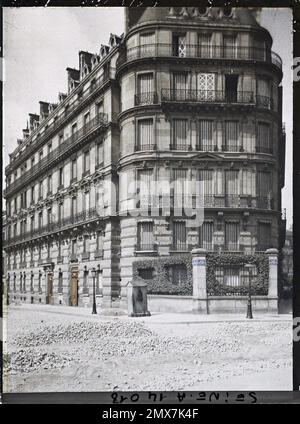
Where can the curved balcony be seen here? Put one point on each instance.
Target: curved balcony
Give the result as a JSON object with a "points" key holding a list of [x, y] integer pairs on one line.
{"points": [[195, 51], [100, 121], [66, 223]]}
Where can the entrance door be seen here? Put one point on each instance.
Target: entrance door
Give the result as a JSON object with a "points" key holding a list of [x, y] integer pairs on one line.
{"points": [[49, 299], [74, 288]]}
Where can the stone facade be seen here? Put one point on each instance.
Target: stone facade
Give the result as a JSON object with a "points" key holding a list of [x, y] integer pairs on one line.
{"points": [[188, 93]]}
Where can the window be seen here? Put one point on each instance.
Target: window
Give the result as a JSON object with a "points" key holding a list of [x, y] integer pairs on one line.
{"points": [[60, 139], [179, 45], [41, 155], [74, 247], [41, 189], [85, 282], [264, 236], [146, 273], [40, 219], [40, 283], [99, 283], [231, 136], [59, 249], [264, 93], [86, 162], [206, 87], [147, 44], [206, 141], [264, 190], [230, 46], [232, 187], [86, 119], [86, 244], [99, 242], [206, 232], [145, 236], [179, 134], [180, 188], [32, 223], [49, 250], [179, 86], [24, 281], [49, 148], [99, 153], [49, 184], [86, 205], [73, 129], [263, 144], [40, 252], [179, 235], [61, 177], [99, 108], [32, 283], [60, 211], [232, 233], [74, 169], [49, 216], [205, 45], [145, 134], [60, 282], [32, 194], [145, 183], [32, 161], [145, 89], [74, 206]]}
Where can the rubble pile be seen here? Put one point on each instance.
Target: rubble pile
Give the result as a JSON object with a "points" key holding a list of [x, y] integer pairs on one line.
{"points": [[28, 360]]}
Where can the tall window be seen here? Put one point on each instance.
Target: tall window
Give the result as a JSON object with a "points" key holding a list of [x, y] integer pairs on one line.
{"points": [[145, 134], [231, 136], [145, 183], [74, 206], [147, 44], [264, 190], [60, 282], [61, 177], [264, 93], [179, 86], [99, 282], [60, 211], [41, 189], [85, 281], [179, 45], [86, 197], [180, 141], [32, 194], [74, 129], [86, 118], [32, 283], [230, 46], [99, 242], [145, 236], [206, 141], [145, 89], [24, 282], [49, 216], [179, 235], [49, 184], [74, 247], [263, 144], [206, 87], [205, 45], [40, 283], [86, 162], [40, 219], [86, 244], [74, 169], [232, 235], [207, 186], [206, 232], [264, 236], [99, 153], [32, 223], [232, 188], [40, 252], [49, 148]]}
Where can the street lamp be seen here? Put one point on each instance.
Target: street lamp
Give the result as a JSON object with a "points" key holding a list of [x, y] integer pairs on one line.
{"points": [[93, 272], [249, 303]]}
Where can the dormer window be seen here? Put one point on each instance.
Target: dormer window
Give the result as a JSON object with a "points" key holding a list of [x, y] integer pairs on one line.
{"points": [[227, 11]]}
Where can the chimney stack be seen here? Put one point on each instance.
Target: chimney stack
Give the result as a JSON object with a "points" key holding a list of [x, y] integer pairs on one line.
{"points": [[33, 121], [85, 63], [73, 78], [44, 110]]}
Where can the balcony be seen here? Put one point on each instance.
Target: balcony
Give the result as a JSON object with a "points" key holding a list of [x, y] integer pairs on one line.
{"points": [[180, 247], [100, 121], [66, 223], [145, 146], [143, 99], [207, 52], [210, 96], [145, 248], [73, 107], [98, 254]]}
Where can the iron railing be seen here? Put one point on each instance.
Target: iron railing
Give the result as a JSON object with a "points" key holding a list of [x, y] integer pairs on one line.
{"points": [[77, 103], [145, 146], [148, 98], [201, 51], [141, 247], [82, 217], [211, 96], [99, 120]]}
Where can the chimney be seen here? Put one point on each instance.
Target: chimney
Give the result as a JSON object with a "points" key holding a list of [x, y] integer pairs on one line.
{"points": [[73, 78], [44, 110], [33, 121], [85, 62], [62, 97]]}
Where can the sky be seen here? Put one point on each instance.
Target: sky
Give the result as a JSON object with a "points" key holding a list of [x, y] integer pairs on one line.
{"points": [[40, 43]]}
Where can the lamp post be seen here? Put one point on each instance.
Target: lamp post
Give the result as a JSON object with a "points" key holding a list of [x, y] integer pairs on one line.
{"points": [[93, 272], [249, 303]]}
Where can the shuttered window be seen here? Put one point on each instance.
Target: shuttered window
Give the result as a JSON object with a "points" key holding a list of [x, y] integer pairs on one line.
{"points": [[231, 135], [206, 135], [145, 182], [179, 235], [145, 236], [180, 134], [232, 233], [145, 134], [206, 231], [264, 236], [263, 138]]}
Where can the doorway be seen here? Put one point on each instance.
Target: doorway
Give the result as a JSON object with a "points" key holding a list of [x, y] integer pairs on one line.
{"points": [[74, 288], [231, 86]]}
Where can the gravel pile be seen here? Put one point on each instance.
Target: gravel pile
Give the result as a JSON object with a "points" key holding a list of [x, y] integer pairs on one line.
{"points": [[80, 332], [32, 360]]}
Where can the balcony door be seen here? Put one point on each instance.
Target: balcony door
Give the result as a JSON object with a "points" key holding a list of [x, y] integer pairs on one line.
{"points": [[232, 233], [145, 89], [147, 44], [206, 84], [145, 236], [179, 45], [230, 46], [231, 88], [207, 186], [232, 190], [145, 182], [205, 46], [179, 235], [179, 86]]}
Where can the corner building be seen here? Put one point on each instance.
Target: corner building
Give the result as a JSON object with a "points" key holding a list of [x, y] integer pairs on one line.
{"points": [[188, 94]]}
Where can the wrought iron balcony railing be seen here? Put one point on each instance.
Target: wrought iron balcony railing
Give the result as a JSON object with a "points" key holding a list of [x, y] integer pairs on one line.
{"points": [[98, 121], [149, 98], [201, 52], [211, 96], [73, 107], [82, 217], [141, 247]]}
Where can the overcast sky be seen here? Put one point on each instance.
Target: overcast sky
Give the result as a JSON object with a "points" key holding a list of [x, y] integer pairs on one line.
{"points": [[40, 43]]}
